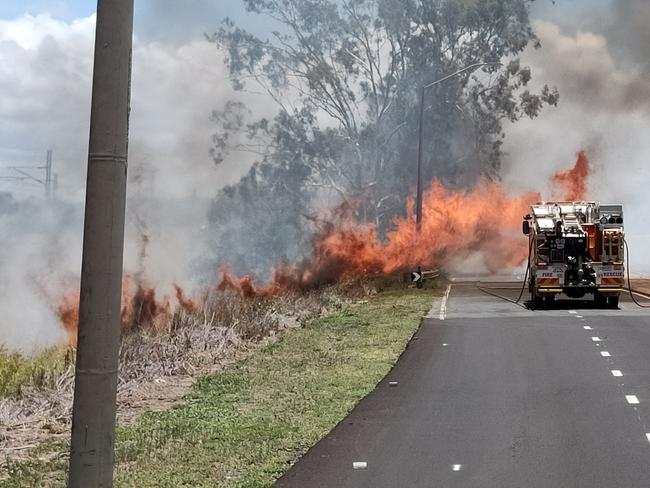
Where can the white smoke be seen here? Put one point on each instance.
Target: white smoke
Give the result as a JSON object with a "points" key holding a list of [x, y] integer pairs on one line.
{"points": [[45, 82], [38, 266], [45, 87]]}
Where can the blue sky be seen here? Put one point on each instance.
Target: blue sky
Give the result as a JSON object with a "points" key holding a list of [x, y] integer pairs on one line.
{"points": [[63, 9]]}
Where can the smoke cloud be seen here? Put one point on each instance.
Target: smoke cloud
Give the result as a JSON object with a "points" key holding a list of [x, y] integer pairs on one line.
{"points": [[45, 76], [627, 31], [38, 261], [45, 86], [604, 108], [45, 83]]}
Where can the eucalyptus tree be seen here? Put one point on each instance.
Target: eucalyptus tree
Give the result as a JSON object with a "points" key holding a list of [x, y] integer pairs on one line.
{"points": [[345, 75]]}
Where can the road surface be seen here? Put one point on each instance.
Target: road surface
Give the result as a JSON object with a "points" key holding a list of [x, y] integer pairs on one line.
{"points": [[496, 395]]}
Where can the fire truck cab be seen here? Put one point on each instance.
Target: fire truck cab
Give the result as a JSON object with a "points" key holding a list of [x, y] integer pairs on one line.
{"points": [[576, 249]]}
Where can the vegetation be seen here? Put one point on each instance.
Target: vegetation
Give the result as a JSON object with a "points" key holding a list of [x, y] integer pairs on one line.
{"points": [[346, 77], [244, 426], [18, 372]]}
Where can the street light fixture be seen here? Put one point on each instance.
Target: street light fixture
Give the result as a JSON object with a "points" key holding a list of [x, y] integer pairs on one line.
{"points": [[418, 211]]}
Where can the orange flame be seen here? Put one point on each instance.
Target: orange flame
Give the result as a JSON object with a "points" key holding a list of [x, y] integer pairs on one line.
{"points": [[572, 183], [455, 224], [187, 304], [68, 312], [140, 310]]}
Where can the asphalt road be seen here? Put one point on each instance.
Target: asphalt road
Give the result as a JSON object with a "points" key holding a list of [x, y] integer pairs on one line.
{"points": [[496, 395]]}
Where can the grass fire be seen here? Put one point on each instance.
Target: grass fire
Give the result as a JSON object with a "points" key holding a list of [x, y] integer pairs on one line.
{"points": [[456, 224], [234, 267]]}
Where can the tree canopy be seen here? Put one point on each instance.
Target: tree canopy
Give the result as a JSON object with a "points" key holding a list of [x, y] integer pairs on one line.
{"points": [[346, 76]]}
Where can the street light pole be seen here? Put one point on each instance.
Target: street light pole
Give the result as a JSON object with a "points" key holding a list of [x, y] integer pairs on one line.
{"points": [[418, 204], [418, 209], [93, 415]]}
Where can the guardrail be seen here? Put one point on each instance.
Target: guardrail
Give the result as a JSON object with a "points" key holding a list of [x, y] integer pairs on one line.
{"points": [[419, 277]]}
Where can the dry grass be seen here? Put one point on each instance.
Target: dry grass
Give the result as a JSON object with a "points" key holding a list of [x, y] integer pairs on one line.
{"points": [[157, 367], [243, 425]]}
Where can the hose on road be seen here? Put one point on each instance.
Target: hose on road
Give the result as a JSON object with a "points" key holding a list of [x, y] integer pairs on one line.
{"points": [[629, 280], [523, 285]]}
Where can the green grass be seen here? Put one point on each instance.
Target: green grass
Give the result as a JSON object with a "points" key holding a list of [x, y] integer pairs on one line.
{"points": [[244, 426], [18, 372]]}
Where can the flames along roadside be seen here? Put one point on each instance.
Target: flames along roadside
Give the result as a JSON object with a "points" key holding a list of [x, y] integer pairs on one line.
{"points": [[456, 224]]}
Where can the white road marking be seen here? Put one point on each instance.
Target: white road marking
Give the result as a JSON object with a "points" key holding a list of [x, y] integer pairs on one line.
{"points": [[586, 327], [596, 339], [445, 345], [393, 383], [648, 437], [573, 312], [359, 465], [617, 372], [443, 304], [579, 317], [632, 399], [605, 354], [457, 467]]}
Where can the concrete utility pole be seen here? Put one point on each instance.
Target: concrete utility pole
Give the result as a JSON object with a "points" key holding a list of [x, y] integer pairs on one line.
{"points": [[93, 417], [418, 204]]}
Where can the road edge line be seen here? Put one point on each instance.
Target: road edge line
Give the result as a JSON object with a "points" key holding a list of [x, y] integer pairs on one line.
{"points": [[443, 304]]}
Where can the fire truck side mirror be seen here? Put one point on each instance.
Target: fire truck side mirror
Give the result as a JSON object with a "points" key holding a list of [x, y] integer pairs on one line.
{"points": [[526, 228]]}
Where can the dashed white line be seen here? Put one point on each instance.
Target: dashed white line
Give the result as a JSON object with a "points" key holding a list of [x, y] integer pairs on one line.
{"points": [[648, 437], [579, 317], [632, 399], [605, 354], [586, 327], [456, 467], [573, 312], [617, 373], [359, 465], [596, 339], [443, 304]]}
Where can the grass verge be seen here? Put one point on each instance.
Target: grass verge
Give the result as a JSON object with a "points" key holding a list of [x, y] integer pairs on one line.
{"points": [[18, 372], [244, 426]]}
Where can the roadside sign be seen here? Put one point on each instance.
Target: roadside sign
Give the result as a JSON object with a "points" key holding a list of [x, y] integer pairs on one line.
{"points": [[416, 277]]}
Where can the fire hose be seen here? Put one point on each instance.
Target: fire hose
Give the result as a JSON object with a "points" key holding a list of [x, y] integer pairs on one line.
{"points": [[523, 285], [629, 280]]}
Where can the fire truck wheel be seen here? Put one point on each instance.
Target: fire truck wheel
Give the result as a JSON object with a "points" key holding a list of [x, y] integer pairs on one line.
{"points": [[612, 302], [549, 301], [538, 300]]}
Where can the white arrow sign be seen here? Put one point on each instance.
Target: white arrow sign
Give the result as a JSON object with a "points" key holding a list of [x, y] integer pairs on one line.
{"points": [[416, 277]]}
